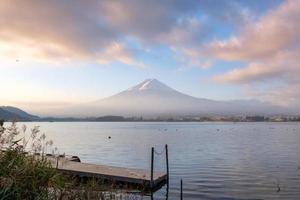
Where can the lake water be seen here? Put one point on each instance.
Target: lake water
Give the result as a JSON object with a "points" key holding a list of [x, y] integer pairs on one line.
{"points": [[214, 160]]}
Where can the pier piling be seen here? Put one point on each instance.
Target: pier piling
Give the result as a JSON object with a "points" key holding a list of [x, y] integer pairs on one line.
{"points": [[181, 194], [167, 163], [152, 166]]}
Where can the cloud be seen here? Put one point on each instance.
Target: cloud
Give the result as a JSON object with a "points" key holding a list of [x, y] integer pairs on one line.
{"points": [[278, 30], [283, 65], [271, 49], [145, 19], [118, 52], [64, 30], [58, 31]]}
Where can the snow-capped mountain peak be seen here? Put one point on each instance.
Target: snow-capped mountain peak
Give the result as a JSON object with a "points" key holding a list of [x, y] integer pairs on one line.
{"points": [[151, 84]]}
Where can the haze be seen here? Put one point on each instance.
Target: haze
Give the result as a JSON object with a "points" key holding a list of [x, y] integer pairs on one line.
{"points": [[57, 54]]}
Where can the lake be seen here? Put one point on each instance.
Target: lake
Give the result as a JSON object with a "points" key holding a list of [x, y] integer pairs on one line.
{"points": [[215, 160]]}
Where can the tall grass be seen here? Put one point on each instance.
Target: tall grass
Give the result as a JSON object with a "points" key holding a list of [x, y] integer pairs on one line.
{"points": [[23, 176]]}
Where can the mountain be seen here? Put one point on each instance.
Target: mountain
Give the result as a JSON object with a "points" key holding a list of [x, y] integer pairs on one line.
{"points": [[10, 113], [152, 98]]}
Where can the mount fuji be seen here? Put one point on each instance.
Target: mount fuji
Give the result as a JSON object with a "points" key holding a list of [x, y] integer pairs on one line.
{"points": [[152, 98]]}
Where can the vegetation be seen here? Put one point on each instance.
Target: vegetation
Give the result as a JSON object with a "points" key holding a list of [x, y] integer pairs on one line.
{"points": [[24, 176]]}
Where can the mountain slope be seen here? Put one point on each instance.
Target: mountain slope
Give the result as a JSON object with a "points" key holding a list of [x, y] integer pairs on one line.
{"points": [[10, 113], [153, 98]]}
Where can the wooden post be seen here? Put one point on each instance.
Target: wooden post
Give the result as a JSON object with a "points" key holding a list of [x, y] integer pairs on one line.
{"points": [[152, 166], [56, 162], [181, 195], [167, 163]]}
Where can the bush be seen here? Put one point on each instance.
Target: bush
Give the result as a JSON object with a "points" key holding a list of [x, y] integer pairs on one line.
{"points": [[22, 176], [26, 176]]}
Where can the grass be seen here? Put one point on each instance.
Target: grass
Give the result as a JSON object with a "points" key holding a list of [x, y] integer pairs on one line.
{"points": [[23, 177]]}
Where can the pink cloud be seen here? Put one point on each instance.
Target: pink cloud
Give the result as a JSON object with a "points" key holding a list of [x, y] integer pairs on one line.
{"points": [[283, 65], [278, 30], [59, 31], [271, 49], [56, 31]]}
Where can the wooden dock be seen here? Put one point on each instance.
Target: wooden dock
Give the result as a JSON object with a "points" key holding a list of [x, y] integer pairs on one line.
{"points": [[139, 178], [146, 180], [120, 175]]}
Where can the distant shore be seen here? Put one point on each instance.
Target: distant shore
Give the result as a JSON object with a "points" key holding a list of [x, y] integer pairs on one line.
{"points": [[175, 119]]}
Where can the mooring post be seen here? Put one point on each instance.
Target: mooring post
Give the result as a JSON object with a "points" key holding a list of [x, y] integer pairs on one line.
{"points": [[56, 162], [152, 166], [181, 195], [167, 163]]}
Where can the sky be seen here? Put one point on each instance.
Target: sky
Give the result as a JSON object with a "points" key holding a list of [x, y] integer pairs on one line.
{"points": [[61, 52]]}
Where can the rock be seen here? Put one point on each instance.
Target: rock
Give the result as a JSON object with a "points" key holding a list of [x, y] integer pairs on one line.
{"points": [[75, 159]]}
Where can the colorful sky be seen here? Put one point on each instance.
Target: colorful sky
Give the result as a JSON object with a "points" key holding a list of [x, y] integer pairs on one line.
{"points": [[56, 52]]}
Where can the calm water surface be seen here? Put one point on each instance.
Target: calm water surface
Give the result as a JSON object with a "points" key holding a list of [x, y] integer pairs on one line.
{"points": [[215, 160]]}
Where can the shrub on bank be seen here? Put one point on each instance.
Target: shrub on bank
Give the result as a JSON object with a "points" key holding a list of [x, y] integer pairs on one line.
{"points": [[24, 176]]}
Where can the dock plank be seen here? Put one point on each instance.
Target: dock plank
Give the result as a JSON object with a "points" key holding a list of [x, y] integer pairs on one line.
{"points": [[127, 175]]}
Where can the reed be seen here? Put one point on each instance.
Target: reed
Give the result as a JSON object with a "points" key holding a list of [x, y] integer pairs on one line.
{"points": [[22, 176]]}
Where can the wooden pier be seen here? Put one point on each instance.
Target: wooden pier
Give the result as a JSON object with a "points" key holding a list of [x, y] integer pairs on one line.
{"points": [[146, 180], [124, 176]]}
